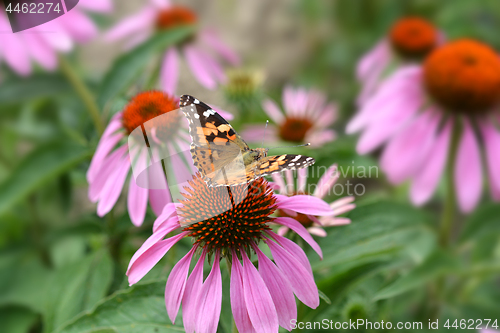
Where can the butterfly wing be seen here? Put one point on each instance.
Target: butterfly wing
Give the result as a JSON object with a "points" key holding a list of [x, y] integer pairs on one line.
{"points": [[216, 148]]}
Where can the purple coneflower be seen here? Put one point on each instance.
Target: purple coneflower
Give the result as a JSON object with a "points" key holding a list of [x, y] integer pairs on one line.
{"points": [[201, 50], [422, 113], [306, 119], [409, 40], [111, 163], [314, 224], [42, 43], [261, 300]]}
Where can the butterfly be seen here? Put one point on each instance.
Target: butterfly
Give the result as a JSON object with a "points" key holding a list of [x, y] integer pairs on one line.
{"points": [[221, 155]]}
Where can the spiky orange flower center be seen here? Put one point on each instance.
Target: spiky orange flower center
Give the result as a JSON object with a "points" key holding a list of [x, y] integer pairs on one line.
{"points": [[175, 16], [226, 217], [153, 106], [294, 129], [413, 37], [463, 76]]}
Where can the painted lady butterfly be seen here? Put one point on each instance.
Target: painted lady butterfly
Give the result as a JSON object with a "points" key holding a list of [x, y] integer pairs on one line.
{"points": [[221, 155]]}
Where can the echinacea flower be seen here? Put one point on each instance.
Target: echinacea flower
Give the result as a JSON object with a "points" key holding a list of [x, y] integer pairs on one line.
{"points": [[306, 119], [201, 50], [326, 183], [422, 112], [409, 40], [234, 223], [43, 43], [111, 163]]}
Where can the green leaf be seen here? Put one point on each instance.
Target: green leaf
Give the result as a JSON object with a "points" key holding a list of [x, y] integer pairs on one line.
{"points": [[436, 265], [78, 287], [17, 319], [19, 90], [139, 309], [128, 66], [484, 221], [381, 230], [325, 298], [45, 163]]}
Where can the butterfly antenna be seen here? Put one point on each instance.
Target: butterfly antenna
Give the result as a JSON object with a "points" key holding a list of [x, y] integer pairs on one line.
{"points": [[265, 128], [304, 145]]}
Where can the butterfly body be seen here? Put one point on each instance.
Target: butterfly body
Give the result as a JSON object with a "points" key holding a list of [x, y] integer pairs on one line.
{"points": [[222, 156]]}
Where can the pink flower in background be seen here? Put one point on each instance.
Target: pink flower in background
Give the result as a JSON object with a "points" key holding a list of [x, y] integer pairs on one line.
{"points": [[43, 43], [261, 300], [307, 117], [324, 187], [416, 110], [409, 40], [200, 51], [111, 163]]}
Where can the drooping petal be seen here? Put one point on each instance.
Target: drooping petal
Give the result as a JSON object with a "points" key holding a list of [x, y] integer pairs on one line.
{"points": [[492, 151], [15, 51], [426, 181], [300, 278], [176, 284], [293, 248], [278, 179], [301, 231], [113, 188], [168, 211], [238, 305], [199, 68], [305, 204], [137, 202], [301, 180], [326, 181], [260, 305], [131, 25], [170, 71], [191, 293], [99, 6], [212, 39], [317, 231], [273, 111], [210, 300], [41, 52], [320, 137], [280, 290], [109, 166], [144, 263], [79, 26], [468, 173]]}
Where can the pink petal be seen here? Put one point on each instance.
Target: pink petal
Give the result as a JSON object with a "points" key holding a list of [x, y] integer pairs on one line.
{"points": [[137, 202], [468, 174], [170, 71], [317, 231], [425, 182], [113, 188], [294, 249], [191, 293], [150, 258], [301, 180], [278, 179], [109, 167], [199, 68], [326, 181], [299, 277], [238, 305], [41, 52], [158, 199], [273, 111], [305, 204], [168, 211], [210, 300], [320, 137], [404, 154], [256, 133], [372, 59], [260, 305], [15, 51], [99, 6], [213, 40], [59, 39], [176, 284], [301, 231], [492, 151], [279, 288], [328, 115], [131, 25], [289, 100], [79, 26]]}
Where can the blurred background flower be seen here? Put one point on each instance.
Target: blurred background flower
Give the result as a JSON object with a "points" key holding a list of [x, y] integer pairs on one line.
{"points": [[201, 50], [448, 107], [42, 44]]}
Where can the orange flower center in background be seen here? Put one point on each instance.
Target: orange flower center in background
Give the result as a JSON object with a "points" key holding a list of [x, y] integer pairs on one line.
{"points": [[226, 217], [295, 129], [463, 76], [175, 16], [413, 37], [153, 105]]}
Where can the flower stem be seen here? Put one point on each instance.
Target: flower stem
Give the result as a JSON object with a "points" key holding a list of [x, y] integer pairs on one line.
{"points": [[83, 92], [448, 213]]}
